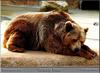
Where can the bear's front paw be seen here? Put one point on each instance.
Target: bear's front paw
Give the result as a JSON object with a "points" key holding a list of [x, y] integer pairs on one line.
{"points": [[88, 54], [91, 54]]}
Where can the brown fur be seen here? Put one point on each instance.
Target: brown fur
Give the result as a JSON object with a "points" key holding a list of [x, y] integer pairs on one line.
{"points": [[53, 32]]}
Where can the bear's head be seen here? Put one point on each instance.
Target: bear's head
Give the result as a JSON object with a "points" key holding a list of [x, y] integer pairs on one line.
{"points": [[72, 35]]}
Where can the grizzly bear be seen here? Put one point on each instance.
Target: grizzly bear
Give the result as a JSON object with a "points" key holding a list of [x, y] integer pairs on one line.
{"points": [[53, 32]]}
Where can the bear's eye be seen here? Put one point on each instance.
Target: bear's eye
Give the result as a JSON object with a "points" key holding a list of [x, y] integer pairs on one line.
{"points": [[74, 40]]}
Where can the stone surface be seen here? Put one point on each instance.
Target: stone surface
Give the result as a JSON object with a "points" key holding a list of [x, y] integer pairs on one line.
{"points": [[43, 59]]}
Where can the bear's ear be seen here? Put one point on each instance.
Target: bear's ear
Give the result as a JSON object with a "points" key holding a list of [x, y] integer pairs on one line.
{"points": [[86, 30], [69, 26]]}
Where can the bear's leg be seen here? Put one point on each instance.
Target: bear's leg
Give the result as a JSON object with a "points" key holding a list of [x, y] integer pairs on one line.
{"points": [[54, 45], [16, 42], [87, 52]]}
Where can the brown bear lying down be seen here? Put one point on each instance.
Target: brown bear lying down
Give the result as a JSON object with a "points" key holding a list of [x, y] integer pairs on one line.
{"points": [[53, 32]]}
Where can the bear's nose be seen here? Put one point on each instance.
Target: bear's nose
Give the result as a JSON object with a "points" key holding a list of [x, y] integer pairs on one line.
{"points": [[77, 50]]}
